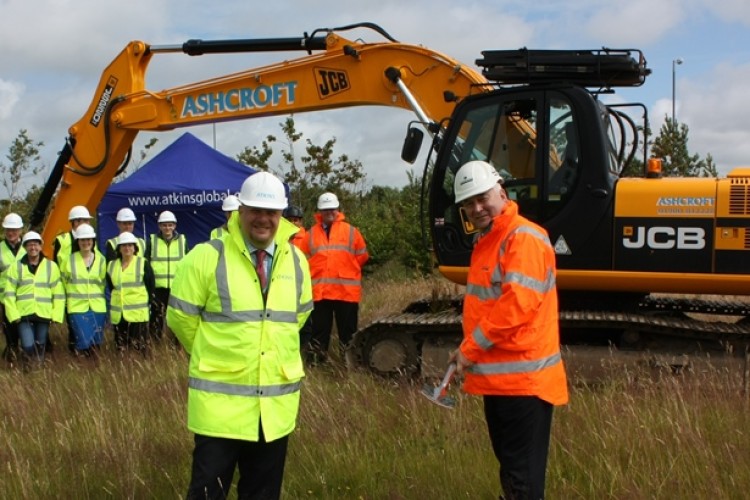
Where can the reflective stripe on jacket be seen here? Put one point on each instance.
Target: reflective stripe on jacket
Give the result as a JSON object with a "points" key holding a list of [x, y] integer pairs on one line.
{"points": [[129, 298], [41, 294], [165, 258], [218, 233], [84, 288], [510, 316], [245, 361], [7, 258], [336, 260]]}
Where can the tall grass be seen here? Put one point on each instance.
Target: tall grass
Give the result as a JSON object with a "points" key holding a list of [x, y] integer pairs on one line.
{"points": [[116, 429]]}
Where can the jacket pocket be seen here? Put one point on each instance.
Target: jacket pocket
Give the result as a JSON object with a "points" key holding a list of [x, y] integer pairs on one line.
{"points": [[213, 366], [293, 369]]}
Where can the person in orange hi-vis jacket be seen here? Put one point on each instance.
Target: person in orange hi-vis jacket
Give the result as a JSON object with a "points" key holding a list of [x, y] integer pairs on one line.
{"points": [[336, 252], [294, 214], [510, 353]]}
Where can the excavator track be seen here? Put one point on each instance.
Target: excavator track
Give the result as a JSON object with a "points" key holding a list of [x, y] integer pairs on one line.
{"points": [[419, 339]]}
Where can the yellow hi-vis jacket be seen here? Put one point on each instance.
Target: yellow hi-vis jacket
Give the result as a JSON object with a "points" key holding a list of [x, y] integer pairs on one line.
{"points": [[129, 299], [63, 247], [8, 258], [84, 288], [245, 363], [510, 317], [41, 294], [165, 257]]}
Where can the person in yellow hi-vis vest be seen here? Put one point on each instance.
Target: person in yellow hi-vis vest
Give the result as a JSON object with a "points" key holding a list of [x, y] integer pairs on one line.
{"points": [[34, 297], [131, 280], [61, 249], [10, 251], [229, 206], [237, 305], [164, 252], [84, 275], [125, 220]]}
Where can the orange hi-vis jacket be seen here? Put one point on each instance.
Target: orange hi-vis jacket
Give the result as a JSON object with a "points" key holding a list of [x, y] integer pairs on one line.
{"points": [[299, 237], [510, 316], [335, 260]]}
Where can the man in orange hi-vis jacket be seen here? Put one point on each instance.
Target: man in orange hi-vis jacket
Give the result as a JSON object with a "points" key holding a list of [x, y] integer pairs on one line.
{"points": [[510, 353], [336, 252], [294, 214]]}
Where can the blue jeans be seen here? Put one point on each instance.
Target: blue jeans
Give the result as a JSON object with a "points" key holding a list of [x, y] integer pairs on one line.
{"points": [[33, 337], [88, 328]]}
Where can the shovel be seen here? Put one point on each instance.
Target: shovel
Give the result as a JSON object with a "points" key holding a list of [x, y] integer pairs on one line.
{"points": [[438, 395]]}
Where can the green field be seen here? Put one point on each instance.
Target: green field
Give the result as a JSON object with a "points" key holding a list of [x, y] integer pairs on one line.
{"points": [[116, 429]]}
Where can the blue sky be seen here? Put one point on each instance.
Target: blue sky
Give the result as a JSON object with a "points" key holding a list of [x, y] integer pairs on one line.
{"points": [[54, 51]]}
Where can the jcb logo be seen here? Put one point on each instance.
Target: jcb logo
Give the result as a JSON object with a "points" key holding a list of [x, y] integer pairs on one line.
{"points": [[331, 81], [664, 237]]}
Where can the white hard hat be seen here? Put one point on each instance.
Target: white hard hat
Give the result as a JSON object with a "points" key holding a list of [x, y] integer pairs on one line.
{"points": [[84, 231], [263, 190], [31, 236], [127, 238], [473, 178], [79, 212], [327, 201], [125, 215], [230, 203], [12, 221], [167, 216]]}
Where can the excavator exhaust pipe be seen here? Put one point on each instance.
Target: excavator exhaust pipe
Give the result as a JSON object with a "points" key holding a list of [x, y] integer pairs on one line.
{"points": [[438, 395]]}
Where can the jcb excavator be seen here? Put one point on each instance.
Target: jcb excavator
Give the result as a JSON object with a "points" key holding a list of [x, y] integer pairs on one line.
{"points": [[534, 115]]}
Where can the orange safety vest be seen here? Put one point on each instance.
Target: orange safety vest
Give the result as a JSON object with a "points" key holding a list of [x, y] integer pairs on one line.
{"points": [[336, 260], [510, 316]]}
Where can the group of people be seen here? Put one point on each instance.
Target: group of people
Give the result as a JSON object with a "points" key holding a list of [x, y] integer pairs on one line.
{"points": [[238, 302], [80, 285]]}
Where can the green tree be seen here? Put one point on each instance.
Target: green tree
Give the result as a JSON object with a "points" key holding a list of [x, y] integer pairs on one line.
{"points": [[709, 169], [258, 157], [23, 157], [672, 147], [310, 173]]}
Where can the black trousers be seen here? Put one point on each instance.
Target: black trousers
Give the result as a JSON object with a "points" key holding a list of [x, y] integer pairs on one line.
{"points": [[131, 336], [261, 466], [519, 429], [324, 311], [10, 330]]}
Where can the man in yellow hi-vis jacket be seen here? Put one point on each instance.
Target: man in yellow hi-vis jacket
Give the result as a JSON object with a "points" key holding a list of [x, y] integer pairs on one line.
{"points": [[237, 305]]}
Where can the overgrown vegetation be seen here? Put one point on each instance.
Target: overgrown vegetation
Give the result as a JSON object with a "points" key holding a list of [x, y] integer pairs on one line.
{"points": [[117, 430]]}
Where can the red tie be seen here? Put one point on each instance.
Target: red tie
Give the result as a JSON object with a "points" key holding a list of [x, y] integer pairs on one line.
{"points": [[260, 268]]}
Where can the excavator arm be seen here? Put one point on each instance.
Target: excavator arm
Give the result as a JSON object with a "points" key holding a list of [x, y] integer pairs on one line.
{"points": [[344, 73]]}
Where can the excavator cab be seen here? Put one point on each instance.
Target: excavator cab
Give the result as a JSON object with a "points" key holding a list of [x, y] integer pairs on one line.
{"points": [[553, 146]]}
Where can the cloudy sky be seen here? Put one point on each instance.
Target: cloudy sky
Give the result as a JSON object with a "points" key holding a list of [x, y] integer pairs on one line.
{"points": [[52, 53]]}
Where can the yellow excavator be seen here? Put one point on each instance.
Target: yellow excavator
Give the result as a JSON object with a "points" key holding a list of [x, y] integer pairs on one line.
{"points": [[633, 254]]}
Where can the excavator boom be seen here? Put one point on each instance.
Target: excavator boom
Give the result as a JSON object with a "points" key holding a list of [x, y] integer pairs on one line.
{"points": [[344, 73]]}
